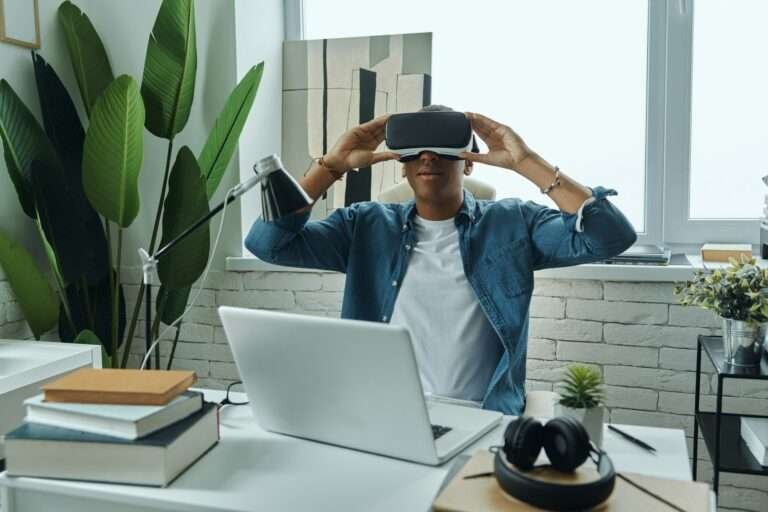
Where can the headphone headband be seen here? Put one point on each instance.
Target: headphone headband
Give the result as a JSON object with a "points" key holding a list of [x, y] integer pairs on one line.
{"points": [[520, 446]]}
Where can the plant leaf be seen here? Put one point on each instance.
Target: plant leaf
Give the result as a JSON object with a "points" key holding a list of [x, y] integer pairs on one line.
{"points": [[168, 86], [113, 152], [88, 337], [23, 141], [64, 184], [175, 302], [36, 298], [185, 203], [222, 141], [89, 58]]}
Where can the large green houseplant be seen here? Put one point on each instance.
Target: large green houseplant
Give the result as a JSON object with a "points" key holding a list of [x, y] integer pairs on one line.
{"points": [[80, 186], [737, 293]]}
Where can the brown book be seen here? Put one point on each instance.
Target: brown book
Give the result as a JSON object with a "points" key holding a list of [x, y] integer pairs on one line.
{"points": [[723, 252], [484, 494], [114, 386]]}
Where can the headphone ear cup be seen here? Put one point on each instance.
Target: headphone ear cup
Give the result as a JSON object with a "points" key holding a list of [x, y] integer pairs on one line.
{"points": [[523, 441], [566, 443]]}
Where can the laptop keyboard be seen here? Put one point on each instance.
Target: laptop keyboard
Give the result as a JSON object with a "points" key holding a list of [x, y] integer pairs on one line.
{"points": [[439, 431]]}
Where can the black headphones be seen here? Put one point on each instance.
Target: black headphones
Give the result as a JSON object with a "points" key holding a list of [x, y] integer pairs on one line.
{"points": [[567, 445]]}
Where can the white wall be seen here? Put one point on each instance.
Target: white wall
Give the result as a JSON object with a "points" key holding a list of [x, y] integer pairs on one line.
{"points": [[125, 27]]}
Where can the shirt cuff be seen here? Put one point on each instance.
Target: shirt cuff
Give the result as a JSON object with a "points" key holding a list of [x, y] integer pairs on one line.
{"points": [[597, 193]]}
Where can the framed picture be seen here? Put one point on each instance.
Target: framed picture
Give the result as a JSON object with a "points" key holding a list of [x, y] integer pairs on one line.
{"points": [[20, 23]]}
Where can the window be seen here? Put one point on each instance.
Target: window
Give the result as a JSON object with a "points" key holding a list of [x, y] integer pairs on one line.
{"points": [[729, 106], [570, 83], [663, 100]]}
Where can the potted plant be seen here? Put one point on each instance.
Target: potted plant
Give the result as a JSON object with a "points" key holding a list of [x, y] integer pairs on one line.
{"points": [[739, 294], [582, 397]]}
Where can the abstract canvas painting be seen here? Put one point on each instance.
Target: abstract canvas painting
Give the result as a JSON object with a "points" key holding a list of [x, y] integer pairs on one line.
{"points": [[332, 85]]}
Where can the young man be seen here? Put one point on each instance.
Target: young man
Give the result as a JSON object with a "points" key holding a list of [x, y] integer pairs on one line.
{"points": [[457, 272]]}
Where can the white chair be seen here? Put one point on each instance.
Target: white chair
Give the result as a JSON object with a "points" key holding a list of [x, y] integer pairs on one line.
{"points": [[403, 192]]}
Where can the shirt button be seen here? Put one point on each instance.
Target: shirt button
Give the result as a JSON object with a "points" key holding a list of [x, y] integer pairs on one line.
{"points": [[394, 283], [405, 226], [384, 318], [407, 247]]}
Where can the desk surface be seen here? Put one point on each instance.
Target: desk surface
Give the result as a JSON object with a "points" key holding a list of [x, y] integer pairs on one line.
{"points": [[251, 469]]}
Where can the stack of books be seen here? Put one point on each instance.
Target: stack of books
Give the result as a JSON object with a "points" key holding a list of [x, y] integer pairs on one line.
{"points": [[121, 426]]}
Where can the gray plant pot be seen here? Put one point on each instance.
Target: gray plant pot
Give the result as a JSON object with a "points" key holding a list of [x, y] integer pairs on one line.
{"points": [[743, 342]]}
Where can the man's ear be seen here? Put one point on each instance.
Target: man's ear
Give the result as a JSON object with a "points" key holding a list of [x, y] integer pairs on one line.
{"points": [[468, 167], [402, 171]]}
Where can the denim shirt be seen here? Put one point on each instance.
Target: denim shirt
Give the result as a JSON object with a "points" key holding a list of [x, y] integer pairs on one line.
{"points": [[501, 243]]}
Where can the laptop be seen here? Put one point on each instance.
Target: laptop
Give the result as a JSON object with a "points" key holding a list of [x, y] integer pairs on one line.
{"points": [[347, 383]]}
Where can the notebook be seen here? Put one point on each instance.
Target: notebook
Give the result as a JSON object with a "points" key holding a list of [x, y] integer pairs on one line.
{"points": [[118, 420], [114, 386]]}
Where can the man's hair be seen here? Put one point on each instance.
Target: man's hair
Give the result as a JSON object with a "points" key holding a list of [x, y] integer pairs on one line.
{"points": [[436, 108]]}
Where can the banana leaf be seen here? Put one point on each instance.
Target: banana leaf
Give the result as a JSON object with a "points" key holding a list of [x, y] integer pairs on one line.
{"points": [[222, 141], [81, 232], [91, 309], [174, 302], [37, 300], [23, 141], [88, 337], [86, 51], [114, 150], [185, 203], [168, 85]]}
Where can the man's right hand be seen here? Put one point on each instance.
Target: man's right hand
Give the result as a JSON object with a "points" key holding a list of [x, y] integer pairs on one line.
{"points": [[356, 148]]}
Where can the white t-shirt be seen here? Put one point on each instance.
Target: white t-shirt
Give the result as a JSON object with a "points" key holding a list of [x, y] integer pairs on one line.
{"points": [[456, 348]]}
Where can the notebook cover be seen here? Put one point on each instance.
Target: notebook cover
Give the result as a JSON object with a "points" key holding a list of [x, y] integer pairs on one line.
{"points": [[116, 386], [484, 494]]}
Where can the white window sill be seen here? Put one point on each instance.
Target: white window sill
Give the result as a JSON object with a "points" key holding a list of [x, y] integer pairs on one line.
{"points": [[602, 272]]}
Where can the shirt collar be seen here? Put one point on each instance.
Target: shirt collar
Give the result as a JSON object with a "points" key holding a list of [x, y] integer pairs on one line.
{"points": [[468, 209]]}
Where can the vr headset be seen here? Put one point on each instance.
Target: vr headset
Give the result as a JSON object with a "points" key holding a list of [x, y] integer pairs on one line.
{"points": [[445, 133]]}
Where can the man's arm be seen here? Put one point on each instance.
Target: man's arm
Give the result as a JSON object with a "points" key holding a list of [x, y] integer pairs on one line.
{"points": [[296, 242], [587, 227]]}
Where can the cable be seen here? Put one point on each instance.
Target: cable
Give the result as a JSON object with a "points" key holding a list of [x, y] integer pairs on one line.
{"points": [[200, 286]]}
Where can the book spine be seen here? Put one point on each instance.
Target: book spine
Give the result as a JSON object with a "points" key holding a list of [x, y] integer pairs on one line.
{"points": [[758, 449]]}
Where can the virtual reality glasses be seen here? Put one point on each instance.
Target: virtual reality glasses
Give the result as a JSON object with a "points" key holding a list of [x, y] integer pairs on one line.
{"points": [[445, 133]]}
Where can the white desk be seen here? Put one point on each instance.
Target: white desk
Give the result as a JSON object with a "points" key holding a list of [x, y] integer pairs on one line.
{"points": [[253, 470]]}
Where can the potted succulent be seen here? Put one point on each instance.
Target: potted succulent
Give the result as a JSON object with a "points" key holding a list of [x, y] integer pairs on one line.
{"points": [[738, 293], [582, 397]]}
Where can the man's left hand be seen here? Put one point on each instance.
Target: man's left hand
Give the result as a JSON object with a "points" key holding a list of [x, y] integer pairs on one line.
{"points": [[505, 147]]}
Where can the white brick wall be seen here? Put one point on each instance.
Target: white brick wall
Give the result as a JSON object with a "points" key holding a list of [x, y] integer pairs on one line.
{"points": [[634, 334]]}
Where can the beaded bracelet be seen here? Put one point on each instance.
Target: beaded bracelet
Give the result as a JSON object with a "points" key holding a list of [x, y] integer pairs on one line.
{"points": [[554, 184]]}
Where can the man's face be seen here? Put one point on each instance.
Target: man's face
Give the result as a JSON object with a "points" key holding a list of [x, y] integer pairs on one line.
{"points": [[433, 178]]}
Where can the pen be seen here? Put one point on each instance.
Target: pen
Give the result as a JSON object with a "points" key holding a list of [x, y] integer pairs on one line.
{"points": [[633, 439]]}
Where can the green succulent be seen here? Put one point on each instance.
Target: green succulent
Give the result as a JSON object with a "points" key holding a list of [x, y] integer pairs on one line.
{"points": [[739, 291], [581, 388]]}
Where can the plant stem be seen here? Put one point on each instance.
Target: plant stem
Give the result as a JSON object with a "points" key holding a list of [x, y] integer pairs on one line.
{"points": [[140, 297], [116, 298], [159, 310], [175, 342]]}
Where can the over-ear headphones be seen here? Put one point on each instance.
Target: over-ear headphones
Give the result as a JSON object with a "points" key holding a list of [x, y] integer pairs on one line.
{"points": [[567, 445]]}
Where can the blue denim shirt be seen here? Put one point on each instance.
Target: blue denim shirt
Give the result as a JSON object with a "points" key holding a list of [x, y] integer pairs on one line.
{"points": [[501, 242]]}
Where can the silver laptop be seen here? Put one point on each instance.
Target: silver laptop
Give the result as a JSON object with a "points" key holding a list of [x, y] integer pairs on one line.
{"points": [[345, 382]]}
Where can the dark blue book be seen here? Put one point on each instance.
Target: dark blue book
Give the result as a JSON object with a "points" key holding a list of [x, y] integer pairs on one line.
{"points": [[38, 450]]}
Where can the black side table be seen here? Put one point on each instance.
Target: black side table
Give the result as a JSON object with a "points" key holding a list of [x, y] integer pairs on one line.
{"points": [[721, 431]]}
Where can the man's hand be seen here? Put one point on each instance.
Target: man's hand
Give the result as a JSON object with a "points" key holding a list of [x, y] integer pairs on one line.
{"points": [[505, 147], [356, 148]]}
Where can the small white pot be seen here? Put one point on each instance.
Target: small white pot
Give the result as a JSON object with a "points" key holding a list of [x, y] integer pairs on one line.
{"points": [[592, 419]]}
